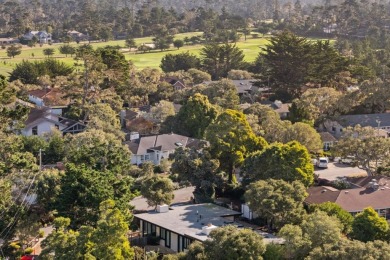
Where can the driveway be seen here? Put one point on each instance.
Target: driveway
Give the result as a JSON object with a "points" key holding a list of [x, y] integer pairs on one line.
{"points": [[338, 170], [181, 195]]}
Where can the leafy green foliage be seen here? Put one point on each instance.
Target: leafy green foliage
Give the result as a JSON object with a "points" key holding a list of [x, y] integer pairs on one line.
{"points": [[332, 209], [293, 61], [236, 244], [276, 200], [178, 43], [83, 189], [28, 72], [369, 226], [67, 49], [232, 139], [288, 162], [157, 190], [14, 50], [48, 52], [218, 60], [181, 61], [365, 145], [316, 232], [107, 241], [200, 170], [195, 116], [98, 150]]}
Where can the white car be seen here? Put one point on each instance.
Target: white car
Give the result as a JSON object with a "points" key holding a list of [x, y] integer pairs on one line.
{"points": [[322, 162]]}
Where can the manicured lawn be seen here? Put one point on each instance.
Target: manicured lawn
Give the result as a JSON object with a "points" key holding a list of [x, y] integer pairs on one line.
{"points": [[141, 60]]}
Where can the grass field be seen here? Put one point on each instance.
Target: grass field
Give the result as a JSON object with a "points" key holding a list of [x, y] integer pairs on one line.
{"points": [[250, 47], [152, 59]]}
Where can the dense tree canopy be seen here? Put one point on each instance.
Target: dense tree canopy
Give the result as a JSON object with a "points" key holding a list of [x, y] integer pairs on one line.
{"points": [[288, 162], [157, 190], [83, 189], [107, 240], [232, 139], [98, 150], [200, 170], [369, 226], [277, 201], [332, 209], [369, 150], [195, 116], [28, 72], [218, 60], [182, 61]]}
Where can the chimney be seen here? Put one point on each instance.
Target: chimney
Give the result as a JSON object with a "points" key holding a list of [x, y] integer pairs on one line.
{"points": [[162, 208], [134, 136]]}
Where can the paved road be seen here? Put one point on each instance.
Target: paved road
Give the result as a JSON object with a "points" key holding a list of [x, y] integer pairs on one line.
{"points": [[181, 195], [337, 170], [37, 247]]}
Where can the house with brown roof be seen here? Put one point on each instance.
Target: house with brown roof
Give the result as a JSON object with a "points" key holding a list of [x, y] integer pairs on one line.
{"points": [[328, 140], [177, 83], [43, 120], [49, 97], [157, 147], [374, 194]]}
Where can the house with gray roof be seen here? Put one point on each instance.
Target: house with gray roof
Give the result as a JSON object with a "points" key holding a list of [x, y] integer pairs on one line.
{"points": [[41, 36], [178, 226], [379, 121], [157, 147], [42, 120]]}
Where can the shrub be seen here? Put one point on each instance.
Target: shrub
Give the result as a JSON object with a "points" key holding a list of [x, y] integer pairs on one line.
{"points": [[28, 251]]}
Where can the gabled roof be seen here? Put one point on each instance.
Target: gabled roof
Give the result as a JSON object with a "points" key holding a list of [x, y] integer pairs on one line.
{"points": [[352, 200], [365, 120], [164, 142], [37, 113], [327, 137], [51, 96], [322, 194]]}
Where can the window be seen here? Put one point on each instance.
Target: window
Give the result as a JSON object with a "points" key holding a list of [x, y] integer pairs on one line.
{"points": [[162, 233], [333, 129], [146, 157], [186, 242], [34, 130], [167, 238]]}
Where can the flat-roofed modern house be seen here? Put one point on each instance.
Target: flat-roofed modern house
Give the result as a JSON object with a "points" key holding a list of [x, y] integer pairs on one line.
{"points": [[178, 226]]}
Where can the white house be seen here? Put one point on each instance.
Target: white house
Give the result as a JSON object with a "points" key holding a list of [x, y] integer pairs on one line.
{"points": [[43, 120], [157, 147], [42, 36], [49, 97]]}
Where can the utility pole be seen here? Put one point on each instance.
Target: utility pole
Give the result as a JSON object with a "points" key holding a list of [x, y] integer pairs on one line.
{"points": [[40, 159]]}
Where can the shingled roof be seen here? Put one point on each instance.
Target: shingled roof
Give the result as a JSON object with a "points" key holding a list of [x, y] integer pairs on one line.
{"points": [[164, 142], [352, 200], [365, 120]]}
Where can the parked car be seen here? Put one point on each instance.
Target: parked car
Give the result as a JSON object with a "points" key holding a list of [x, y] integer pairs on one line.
{"points": [[322, 162], [347, 160]]}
